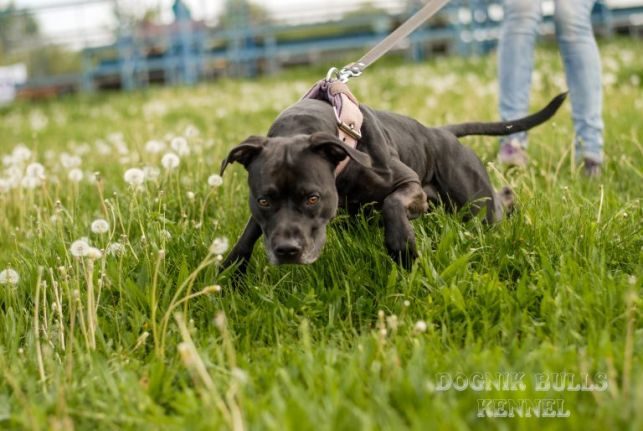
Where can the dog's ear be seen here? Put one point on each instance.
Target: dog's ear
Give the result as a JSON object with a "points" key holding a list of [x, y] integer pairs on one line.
{"points": [[245, 152], [333, 149]]}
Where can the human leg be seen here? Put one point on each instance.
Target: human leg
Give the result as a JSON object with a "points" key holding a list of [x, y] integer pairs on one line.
{"points": [[583, 72], [516, 59]]}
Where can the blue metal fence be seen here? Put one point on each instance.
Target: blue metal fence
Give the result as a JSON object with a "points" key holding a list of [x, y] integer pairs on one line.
{"points": [[187, 51]]}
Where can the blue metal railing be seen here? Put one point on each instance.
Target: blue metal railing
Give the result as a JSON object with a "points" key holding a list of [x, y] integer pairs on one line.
{"points": [[187, 51]]}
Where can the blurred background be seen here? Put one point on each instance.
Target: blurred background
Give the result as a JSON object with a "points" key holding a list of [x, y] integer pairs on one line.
{"points": [[54, 47]]}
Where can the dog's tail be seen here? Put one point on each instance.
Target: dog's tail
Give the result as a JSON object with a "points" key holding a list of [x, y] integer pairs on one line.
{"points": [[508, 127]]}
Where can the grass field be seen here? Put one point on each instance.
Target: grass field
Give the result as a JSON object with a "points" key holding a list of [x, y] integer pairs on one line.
{"points": [[134, 327]]}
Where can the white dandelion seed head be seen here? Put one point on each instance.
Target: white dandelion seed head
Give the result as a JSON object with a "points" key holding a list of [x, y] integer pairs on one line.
{"points": [[191, 131], [219, 246], [9, 277], [115, 249], [38, 121], [82, 149], [94, 254], [75, 175], [14, 172], [5, 185], [121, 148], [151, 173], [92, 177], [69, 161], [215, 180], [79, 248], [180, 145], [190, 195], [30, 183], [20, 154], [100, 226], [134, 177], [102, 147], [420, 326], [116, 138], [170, 161], [154, 146], [35, 170]]}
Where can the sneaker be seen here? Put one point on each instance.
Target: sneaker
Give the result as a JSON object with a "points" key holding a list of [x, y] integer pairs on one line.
{"points": [[513, 154], [592, 168]]}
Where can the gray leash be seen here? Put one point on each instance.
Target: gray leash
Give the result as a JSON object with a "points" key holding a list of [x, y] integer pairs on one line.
{"points": [[355, 69]]}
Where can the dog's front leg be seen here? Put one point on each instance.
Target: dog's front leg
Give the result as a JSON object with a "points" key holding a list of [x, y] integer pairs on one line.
{"points": [[407, 202], [242, 250]]}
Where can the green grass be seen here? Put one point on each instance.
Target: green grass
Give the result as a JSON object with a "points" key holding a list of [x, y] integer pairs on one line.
{"points": [[114, 344]]}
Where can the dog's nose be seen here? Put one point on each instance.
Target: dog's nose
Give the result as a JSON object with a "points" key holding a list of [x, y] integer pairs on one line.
{"points": [[288, 250]]}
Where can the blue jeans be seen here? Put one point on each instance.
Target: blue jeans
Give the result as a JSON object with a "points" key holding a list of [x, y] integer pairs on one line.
{"points": [[582, 67]]}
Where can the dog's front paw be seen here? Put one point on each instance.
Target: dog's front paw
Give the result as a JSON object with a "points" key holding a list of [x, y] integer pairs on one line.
{"points": [[235, 259], [402, 250], [235, 266]]}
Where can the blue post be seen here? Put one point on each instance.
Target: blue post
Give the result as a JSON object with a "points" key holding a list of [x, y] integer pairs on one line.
{"points": [[460, 31], [87, 82], [125, 57], [415, 39], [271, 52]]}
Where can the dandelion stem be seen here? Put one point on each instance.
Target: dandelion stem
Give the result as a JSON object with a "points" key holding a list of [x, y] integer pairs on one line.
{"points": [[91, 303], [600, 205], [203, 207], [630, 302], [175, 300], [99, 186], [59, 306], [81, 310], [154, 301], [36, 327], [195, 365]]}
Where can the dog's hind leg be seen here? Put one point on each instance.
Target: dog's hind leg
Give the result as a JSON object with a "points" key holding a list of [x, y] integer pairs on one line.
{"points": [[463, 182], [407, 202], [242, 250], [432, 194]]}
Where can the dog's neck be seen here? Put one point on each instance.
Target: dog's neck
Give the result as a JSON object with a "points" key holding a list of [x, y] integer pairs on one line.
{"points": [[346, 109]]}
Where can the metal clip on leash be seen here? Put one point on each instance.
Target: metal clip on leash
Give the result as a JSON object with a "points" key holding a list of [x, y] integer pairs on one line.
{"points": [[355, 69], [352, 70]]}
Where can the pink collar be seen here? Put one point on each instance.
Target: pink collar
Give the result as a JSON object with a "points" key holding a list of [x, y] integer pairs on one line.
{"points": [[346, 108]]}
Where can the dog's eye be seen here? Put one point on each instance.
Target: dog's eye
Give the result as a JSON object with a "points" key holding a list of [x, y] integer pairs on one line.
{"points": [[263, 202], [312, 199]]}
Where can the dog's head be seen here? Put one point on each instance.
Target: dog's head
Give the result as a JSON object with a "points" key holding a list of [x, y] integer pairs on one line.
{"points": [[292, 190]]}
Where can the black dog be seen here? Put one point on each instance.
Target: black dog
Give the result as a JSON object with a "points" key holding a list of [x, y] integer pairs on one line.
{"points": [[399, 164]]}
